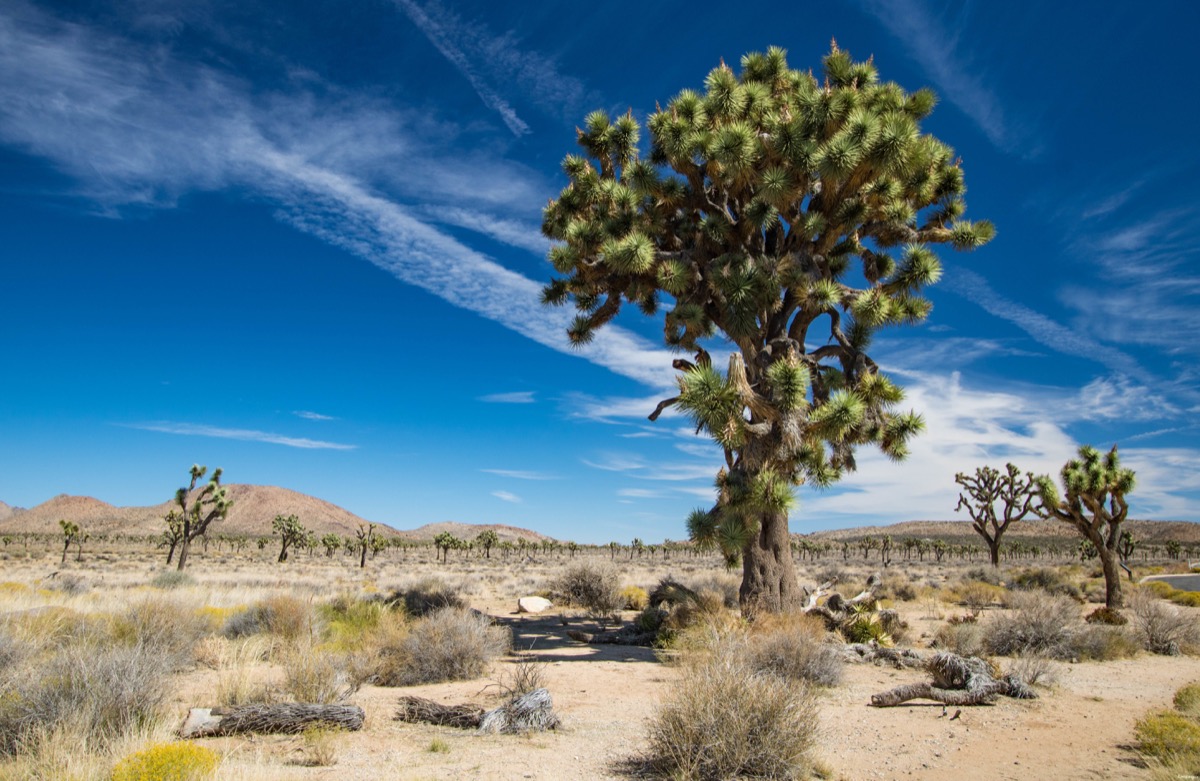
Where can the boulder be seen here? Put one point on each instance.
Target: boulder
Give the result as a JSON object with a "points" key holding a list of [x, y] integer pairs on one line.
{"points": [[533, 605]]}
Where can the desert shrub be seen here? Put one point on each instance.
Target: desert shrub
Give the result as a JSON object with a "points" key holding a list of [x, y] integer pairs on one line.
{"points": [[635, 597], [964, 639], [319, 749], [348, 620], [169, 627], [1106, 615], [427, 596], [1168, 735], [1045, 579], [1163, 628], [723, 585], [903, 590], [1039, 623], [977, 594], [284, 616], [105, 691], [1186, 598], [236, 683], [379, 656], [315, 676], [1187, 700], [1102, 643], [181, 761], [865, 625], [172, 578], [449, 645], [725, 719], [988, 575], [1034, 670], [1159, 588], [594, 587], [794, 647], [70, 584]]}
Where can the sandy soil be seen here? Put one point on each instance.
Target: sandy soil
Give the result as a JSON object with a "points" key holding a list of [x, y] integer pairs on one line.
{"points": [[1079, 729]]}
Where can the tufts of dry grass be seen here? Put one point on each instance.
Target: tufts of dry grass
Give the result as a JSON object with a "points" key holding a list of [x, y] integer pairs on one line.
{"points": [[727, 719]]}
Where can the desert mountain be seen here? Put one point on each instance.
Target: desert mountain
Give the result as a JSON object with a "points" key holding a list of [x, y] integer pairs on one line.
{"points": [[469, 531], [254, 507], [1154, 532], [6, 512]]}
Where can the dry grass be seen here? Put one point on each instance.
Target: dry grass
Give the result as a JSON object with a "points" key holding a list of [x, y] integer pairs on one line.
{"points": [[728, 719], [449, 645]]}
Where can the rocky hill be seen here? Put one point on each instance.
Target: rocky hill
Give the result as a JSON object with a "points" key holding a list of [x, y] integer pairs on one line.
{"points": [[6, 512], [254, 507]]}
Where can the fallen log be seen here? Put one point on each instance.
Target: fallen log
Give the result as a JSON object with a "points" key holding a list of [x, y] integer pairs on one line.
{"points": [[531, 712], [286, 718], [873, 652], [957, 680], [421, 710]]}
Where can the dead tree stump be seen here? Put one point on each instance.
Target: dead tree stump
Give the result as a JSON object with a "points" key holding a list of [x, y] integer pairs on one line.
{"points": [[282, 718]]}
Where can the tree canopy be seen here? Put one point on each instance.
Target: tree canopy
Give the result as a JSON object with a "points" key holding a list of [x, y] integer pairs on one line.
{"points": [[789, 215]]}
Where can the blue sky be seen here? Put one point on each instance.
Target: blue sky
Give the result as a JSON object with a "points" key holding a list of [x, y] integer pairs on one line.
{"points": [[300, 241]]}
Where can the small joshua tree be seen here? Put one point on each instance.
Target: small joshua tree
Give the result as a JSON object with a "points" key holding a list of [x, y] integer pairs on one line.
{"points": [[291, 533], [365, 536], [331, 542], [72, 535], [173, 534], [1096, 487], [199, 508], [444, 542], [982, 490], [487, 539]]}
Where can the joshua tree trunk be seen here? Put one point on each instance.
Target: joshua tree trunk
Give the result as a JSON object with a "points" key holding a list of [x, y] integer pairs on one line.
{"points": [[184, 544], [994, 550], [768, 574], [1113, 598], [171, 553]]}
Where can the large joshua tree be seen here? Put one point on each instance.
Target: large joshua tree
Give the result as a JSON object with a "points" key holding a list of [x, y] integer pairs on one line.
{"points": [[1094, 504], [199, 508], [791, 215]]}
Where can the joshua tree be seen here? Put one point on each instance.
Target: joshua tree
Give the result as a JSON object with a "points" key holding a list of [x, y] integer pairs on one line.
{"points": [[1174, 548], [364, 537], [1096, 487], [487, 539], [1125, 548], [763, 201], [613, 547], [200, 508], [981, 492], [331, 542], [173, 534], [72, 535], [444, 542], [291, 533]]}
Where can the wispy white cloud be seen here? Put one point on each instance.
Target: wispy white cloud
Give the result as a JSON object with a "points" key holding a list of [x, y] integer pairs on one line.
{"points": [[507, 497], [246, 435], [938, 48], [136, 126], [514, 233], [518, 474], [641, 493], [1042, 329], [498, 66], [442, 37], [513, 397], [309, 415]]}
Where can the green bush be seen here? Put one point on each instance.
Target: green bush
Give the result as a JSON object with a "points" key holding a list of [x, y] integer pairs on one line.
{"points": [[1168, 736], [168, 762], [1187, 700]]}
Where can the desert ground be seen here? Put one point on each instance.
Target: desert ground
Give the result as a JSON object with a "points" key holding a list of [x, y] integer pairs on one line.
{"points": [[1082, 725]]}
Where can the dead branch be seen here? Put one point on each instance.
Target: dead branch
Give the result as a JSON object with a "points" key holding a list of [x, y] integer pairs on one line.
{"points": [[957, 680]]}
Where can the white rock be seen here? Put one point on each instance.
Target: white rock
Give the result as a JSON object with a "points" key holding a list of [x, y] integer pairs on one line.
{"points": [[533, 604]]}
